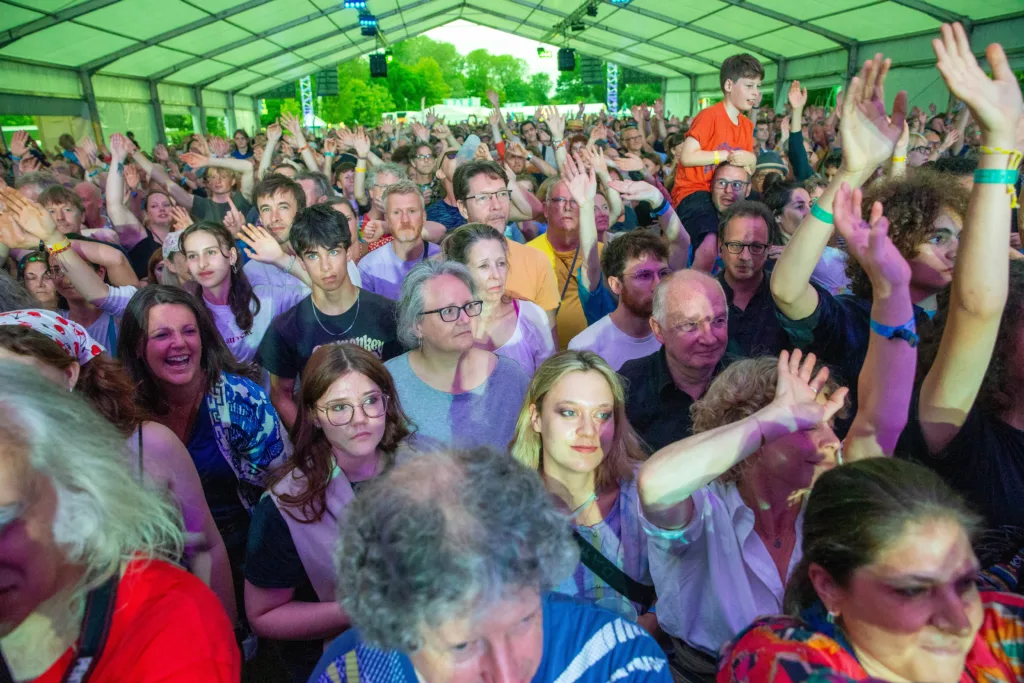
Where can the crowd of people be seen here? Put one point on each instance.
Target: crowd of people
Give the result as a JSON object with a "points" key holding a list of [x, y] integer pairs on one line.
{"points": [[737, 397]]}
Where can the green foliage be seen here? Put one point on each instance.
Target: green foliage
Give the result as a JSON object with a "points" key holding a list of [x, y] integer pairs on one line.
{"points": [[15, 120], [639, 93], [215, 126], [571, 90]]}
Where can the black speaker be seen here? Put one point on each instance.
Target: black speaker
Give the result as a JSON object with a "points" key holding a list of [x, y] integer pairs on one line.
{"points": [[378, 66], [566, 59]]}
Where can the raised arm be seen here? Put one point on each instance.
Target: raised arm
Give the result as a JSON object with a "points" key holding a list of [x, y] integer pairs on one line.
{"points": [[157, 173], [678, 239], [593, 155], [981, 275], [556, 123], [668, 480], [869, 137], [583, 188], [242, 166], [492, 97], [291, 122], [273, 138], [118, 213], [887, 377], [362, 147], [525, 205]]}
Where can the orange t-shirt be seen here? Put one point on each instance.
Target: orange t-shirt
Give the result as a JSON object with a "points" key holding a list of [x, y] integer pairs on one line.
{"points": [[167, 627], [714, 131]]}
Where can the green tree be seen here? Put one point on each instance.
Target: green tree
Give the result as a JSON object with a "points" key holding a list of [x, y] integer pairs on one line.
{"points": [[571, 90], [363, 104], [539, 89], [639, 93]]}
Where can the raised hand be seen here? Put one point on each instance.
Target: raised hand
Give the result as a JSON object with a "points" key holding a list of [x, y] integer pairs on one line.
{"points": [[233, 219], [637, 191], [482, 153], [180, 219], [132, 177], [421, 132], [28, 164], [274, 133], [387, 127], [494, 118], [431, 117], [330, 146], [797, 95], [204, 145], [194, 160], [441, 130], [579, 114], [556, 122], [582, 184], [995, 103], [629, 162], [659, 108], [119, 146], [260, 245], [493, 98], [796, 391], [869, 135], [373, 230], [784, 127], [869, 242], [220, 146], [361, 144], [35, 222], [949, 139], [19, 143]]}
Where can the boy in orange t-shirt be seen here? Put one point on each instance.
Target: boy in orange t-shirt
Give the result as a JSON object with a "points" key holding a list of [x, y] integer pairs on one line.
{"points": [[719, 134]]}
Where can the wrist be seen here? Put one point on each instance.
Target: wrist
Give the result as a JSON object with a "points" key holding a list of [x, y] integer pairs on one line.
{"points": [[998, 139], [774, 421]]}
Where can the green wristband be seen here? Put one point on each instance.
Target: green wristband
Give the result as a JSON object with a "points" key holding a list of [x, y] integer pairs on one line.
{"points": [[821, 214], [995, 176]]}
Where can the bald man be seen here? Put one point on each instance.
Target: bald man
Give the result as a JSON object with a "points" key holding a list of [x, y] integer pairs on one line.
{"points": [[691, 320]]}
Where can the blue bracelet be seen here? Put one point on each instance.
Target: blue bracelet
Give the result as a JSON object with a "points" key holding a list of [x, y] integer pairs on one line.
{"points": [[906, 331], [995, 176], [665, 206], [821, 214]]}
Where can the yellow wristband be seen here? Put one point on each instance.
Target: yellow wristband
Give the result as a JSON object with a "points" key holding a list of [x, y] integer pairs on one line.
{"points": [[718, 158], [58, 247], [360, 170], [1012, 164], [897, 160]]}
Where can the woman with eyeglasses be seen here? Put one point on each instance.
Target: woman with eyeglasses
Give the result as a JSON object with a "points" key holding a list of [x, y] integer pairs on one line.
{"points": [[514, 328], [347, 431], [454, 392]]}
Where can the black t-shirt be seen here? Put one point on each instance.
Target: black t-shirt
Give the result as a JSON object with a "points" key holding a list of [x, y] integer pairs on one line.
{"points": [[296, 333], [138, 256]]}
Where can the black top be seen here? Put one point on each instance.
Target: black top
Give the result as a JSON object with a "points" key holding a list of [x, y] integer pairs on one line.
{"points": [[296, 333], [448, 216], [756, 330], [658, 410], [138, 256], [204, 209]]}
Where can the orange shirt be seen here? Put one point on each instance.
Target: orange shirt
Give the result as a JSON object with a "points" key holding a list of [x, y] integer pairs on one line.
{"points": [[531, 276], [167, 627], [714, 130]]}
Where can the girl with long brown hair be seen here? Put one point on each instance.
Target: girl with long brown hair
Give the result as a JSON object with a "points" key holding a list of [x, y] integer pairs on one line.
{"points": [[348, 428]]}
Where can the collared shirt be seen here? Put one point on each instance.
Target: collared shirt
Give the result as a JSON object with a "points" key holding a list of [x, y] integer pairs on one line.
{"points": [[658, 410], [755, 331], [714, 576]]}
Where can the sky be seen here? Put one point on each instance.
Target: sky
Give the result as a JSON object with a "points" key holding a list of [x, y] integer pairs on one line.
{"points": [[467, 36]]}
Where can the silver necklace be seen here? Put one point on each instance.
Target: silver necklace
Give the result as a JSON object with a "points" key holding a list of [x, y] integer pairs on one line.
{"points": [[335, 334]]}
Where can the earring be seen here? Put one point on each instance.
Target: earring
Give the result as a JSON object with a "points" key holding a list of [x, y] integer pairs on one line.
{"points": [[831, 617]]}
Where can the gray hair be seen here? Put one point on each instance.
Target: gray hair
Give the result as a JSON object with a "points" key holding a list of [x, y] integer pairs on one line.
{"points": [[104, 516], [403, 186], [41, 179], [661, 293], [410, 302], [384, 169], [321, 185], [444, 535], [13, 295]]}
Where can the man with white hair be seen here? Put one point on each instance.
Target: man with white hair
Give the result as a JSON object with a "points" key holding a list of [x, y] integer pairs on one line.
{"points": [[691, 320], [384, 269]]}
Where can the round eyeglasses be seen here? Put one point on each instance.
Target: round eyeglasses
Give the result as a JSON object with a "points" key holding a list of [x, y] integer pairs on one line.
{"points": [[340, 413]]}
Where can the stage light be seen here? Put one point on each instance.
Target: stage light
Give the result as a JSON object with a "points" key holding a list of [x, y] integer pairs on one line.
{"points": [[543, 52], [621, 2], [354, 4], [578, 26], [591, 10], [366, 19], [389, 55]]}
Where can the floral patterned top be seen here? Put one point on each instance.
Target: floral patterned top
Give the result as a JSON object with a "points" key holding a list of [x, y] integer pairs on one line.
{"points": [[784, 649]]}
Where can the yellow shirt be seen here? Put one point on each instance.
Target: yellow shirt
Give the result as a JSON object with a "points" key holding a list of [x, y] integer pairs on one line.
{"points": [[570, 320], [531, 276]]}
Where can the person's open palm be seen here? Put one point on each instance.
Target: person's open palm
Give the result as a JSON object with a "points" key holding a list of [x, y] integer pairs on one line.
{"points": [[797, 95], [35, 221], [869, 135], [868, 240], [582, 183], [995, 103], [260, 245], [180, 218], [796, 390]]}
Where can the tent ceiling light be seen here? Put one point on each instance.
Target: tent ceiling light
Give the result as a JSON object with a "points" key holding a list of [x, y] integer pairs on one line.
{"points": [[355, 4]]}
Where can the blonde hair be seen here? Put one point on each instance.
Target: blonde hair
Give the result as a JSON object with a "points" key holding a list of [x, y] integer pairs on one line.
{"points": [[104, 517], [625, 452], [738, 392]]}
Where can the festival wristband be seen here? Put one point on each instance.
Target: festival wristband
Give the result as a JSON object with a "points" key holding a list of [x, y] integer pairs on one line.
{"points": [[995, 176], [360, 170], [58, 247], [821, 214], [16, 158], [328, 154], [665, 206], [898, 160], [907, 331], [718, 158]]}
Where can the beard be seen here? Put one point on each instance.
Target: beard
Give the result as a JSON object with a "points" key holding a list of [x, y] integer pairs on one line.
{"points": [[635, 304]]}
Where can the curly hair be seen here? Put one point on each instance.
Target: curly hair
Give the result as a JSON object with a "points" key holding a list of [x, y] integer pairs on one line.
{"points": [[912, 205], [738, 392], [625, 452], [1000, 384], [447, 535], [102, 381]]}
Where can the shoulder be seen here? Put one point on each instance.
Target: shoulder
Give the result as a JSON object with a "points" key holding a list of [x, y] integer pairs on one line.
{"points": [[596, 645], [347, 651], [639, 367], [508, 369], [373, 257], [757, 651], [243, 389], [398, 364], [376, 300]]}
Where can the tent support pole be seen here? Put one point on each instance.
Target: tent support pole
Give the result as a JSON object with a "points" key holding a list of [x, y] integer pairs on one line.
{"points": [[693, 94], [231, 113], [780, 80], [202, 109], [853, 61], [90, 99], [256, 113], [158, 113]]}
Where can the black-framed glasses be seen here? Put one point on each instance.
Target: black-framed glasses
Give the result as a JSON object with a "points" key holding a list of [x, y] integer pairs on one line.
{"points": [[756, 249], [340, 413], [647, 276], [484, 197], [734, 185], [450, 314], [922, 149]]}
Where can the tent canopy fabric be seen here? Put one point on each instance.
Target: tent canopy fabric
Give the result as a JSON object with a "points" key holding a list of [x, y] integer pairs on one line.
{"points": [[220, 54]]}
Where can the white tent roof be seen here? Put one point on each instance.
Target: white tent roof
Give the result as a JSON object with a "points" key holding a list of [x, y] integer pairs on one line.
{"points": [[252, 46]]}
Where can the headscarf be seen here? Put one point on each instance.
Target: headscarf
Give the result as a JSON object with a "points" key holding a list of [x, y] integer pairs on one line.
{"points": [[68, 334]]}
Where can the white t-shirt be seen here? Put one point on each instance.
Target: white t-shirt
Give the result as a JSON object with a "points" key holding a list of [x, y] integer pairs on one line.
{"points": [[612, 344], [531, 342], [105, 329], [273, 302], [383, 272]]}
